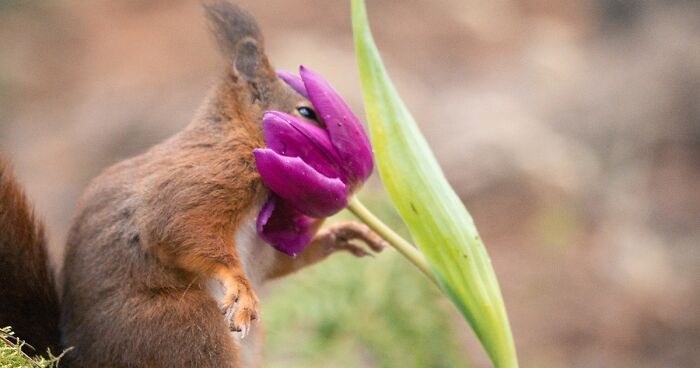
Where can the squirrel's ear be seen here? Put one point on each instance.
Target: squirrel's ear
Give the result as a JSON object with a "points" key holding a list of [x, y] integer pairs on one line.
{"points": [[250, 62], [239, 38]]}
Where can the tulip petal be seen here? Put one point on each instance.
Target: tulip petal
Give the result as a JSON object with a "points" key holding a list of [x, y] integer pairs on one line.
{"points": [[285, 228], [293, 81], [301, 185], [293, 137], [346, 132]]}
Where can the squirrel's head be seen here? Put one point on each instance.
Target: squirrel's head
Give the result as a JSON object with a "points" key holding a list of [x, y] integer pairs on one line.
{"points": [[255, 83]]}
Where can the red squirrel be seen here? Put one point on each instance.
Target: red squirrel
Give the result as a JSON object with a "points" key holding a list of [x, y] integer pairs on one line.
{"points": [[162, 260]]}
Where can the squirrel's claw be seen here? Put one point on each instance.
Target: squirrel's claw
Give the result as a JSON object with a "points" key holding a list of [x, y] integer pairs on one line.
{"points": [[341, 235], [240, 310]]}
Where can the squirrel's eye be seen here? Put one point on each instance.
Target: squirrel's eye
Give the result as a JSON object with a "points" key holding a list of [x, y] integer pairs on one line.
{"points": [[307, 112]]}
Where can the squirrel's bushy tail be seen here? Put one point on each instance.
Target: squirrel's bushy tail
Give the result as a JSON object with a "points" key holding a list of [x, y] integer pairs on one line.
{"points": [[28, 297]]}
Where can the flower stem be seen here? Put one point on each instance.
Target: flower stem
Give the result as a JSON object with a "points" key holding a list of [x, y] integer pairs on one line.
{"points": [[391, 237]]}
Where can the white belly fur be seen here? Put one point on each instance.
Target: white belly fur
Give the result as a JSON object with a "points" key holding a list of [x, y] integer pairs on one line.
{"points": [[256, 257], [255, 254]]}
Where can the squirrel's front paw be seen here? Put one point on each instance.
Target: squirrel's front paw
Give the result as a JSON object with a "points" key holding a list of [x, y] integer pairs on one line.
{"points": [[338, 238], [240, 308]]}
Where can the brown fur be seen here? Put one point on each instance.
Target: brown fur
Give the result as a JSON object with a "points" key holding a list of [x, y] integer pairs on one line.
{"points": [[28, 299], [151, 232]]}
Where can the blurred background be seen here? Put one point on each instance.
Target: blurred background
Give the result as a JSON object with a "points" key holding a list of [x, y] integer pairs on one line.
{"points": [[571, 130]]}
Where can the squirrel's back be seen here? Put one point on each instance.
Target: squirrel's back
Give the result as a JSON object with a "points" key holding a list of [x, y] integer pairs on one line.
{"points": [[28, 298]]}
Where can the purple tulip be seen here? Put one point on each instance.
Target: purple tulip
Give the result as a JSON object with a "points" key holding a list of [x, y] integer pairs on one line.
{"points": [[287, 229], [311, 170], [293, 81]]}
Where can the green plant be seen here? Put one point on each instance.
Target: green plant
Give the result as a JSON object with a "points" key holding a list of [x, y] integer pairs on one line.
{"points": [[352, 313], [12, 356], [455, 257]]}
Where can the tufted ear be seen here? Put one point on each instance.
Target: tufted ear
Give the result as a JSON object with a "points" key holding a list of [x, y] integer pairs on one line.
{"points": [[250, 61], [239, 38]]}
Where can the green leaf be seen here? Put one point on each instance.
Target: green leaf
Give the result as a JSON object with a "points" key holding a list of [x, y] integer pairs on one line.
{"points": [[438, 221]]}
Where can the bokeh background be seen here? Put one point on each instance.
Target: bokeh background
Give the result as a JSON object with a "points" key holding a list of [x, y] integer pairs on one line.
{"points": [[570, 128]]}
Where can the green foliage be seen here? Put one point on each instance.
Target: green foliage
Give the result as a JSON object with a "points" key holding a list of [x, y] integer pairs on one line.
{"points": [[438, 221], [11, 355], [348, 312]]}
